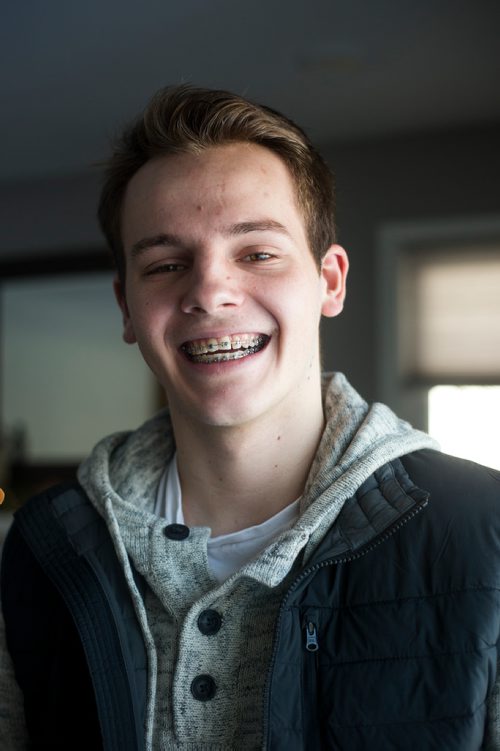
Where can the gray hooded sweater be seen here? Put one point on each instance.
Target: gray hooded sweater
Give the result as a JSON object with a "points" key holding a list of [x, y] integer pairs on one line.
{"points": [[121, 478]]}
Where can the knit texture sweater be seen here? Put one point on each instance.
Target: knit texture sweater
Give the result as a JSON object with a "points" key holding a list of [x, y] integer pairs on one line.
{"points": [[121, 478]]}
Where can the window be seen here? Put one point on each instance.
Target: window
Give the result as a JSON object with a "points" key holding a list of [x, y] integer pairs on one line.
{"points": [[66, 377], [449, 314], [466, 421], [440, 332]]}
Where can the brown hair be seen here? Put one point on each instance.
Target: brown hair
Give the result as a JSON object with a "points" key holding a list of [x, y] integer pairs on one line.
{"points": [[182, 119]]}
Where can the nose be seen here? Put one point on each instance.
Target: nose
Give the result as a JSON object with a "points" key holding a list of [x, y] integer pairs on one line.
{"points": [[211, 285]]}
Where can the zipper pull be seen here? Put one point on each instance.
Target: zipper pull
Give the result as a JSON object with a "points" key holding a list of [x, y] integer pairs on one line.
{"points": [[311, 637]]}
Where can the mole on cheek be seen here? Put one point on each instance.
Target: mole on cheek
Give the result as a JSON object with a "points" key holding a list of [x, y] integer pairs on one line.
{"points": [[199, 208]]}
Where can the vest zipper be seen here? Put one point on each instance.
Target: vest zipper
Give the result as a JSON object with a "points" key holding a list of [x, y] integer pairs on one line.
{"points": [[311, 637], [404, 519], [310, 675]]}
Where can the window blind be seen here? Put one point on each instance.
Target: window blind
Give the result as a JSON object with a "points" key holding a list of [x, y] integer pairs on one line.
{"points": [[449, 315]]}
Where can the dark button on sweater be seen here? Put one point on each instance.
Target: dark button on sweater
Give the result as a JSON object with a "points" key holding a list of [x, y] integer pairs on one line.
{"points": [[176, 531], [209, 622], [203, 687]]}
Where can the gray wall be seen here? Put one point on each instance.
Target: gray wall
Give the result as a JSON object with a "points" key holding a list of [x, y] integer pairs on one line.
{"points": [[416, 178], [51, 215]]}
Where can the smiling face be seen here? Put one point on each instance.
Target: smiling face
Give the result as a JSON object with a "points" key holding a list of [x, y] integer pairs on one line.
{"points": [[222, 293]]}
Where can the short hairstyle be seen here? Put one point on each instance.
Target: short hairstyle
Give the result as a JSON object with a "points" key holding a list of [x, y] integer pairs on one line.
{"points": [[185, 119]]}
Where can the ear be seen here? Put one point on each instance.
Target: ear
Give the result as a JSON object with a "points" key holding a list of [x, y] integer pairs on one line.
{"points": [[128, 329], [334, 268]]}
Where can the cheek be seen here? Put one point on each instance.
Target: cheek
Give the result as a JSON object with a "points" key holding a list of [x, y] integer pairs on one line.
{"points": [[301, 306], [145, 313], [298, 327]]}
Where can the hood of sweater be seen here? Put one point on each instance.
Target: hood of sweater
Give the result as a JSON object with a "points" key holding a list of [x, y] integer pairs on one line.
{"points": [[124, 469]]}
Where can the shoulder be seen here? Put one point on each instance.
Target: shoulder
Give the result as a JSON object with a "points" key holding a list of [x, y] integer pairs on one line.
{"points": [[65, 496], [461, 482], [460, 527], [59, 506], [45, 525]]}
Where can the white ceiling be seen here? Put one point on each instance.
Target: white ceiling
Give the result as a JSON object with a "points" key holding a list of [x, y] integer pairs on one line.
{"points": [[72, 72]]}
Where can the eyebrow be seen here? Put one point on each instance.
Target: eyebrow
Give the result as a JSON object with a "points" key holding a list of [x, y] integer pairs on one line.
{"points": [[154, 241], [260, 225], [240, 228]]}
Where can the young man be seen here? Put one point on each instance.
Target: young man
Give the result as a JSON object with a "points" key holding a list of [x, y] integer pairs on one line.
{"points": [[269, 563]]}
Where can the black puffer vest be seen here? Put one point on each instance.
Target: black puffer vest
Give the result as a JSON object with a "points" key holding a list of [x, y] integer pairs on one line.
{"points": [[71, 628], [387, 640]]}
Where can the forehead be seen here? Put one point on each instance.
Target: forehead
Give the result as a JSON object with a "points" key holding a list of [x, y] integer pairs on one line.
{"points": [[241, 176]]}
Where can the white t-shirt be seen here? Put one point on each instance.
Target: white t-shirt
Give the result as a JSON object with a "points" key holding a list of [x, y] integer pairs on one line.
{"points": [[226, 553]]}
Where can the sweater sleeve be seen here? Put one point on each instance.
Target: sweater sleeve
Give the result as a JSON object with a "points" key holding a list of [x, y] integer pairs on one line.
{"points": [[13, 732]]}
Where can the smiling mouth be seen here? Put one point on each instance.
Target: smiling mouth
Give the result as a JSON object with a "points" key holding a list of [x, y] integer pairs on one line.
{"points": [[224, 348]]}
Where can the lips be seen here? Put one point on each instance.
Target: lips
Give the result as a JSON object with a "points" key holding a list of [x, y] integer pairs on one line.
{"points": [[224, 348]]}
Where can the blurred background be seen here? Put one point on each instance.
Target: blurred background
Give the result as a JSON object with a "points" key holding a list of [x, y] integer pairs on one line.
{"points": [[403, 99]]}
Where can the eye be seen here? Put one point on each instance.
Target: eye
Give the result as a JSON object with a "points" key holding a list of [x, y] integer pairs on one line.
{"points": [[258, 256], [165, 268]]}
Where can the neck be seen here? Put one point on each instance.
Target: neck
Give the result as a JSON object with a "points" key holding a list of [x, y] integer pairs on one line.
{"points": [[236, 477]]}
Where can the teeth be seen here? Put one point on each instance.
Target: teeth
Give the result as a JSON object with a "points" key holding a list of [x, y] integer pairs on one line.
{"points": [[225, 347], [222, 357], [224, 343]]}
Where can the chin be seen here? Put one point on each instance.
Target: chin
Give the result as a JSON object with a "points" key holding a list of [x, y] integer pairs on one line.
{"points": [[225, 417]]}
